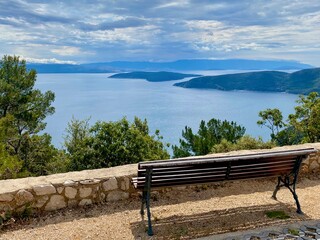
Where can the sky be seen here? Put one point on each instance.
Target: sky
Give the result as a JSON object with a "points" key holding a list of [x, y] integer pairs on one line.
{"points": [[83, 31]]}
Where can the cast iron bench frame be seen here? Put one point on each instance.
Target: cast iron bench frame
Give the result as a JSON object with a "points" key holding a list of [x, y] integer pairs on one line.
{"points": [[198, 170]]}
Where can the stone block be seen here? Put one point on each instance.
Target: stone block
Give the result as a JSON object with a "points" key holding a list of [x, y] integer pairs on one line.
{"points": [[70, 192], [55, 202], [6, 197], [314, 166], [85, 192], [117, 195], [44, 189], [23, 197], [41, 201], [60, 190], [70, 183], [90, 182], [110, 184], [125, 184], [84, 202]]}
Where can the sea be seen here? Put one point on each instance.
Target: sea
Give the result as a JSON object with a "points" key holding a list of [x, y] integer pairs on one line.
{"points": [[167, 108]]}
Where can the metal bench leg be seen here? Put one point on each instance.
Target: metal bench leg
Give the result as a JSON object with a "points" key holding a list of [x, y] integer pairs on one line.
{"points": [[150, 232], [143, 200], [148, 190], [291, 185], [274, 195]]}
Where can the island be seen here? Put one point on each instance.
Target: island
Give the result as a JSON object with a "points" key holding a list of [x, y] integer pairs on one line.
{"points": [[154, 76], [299, 82]]}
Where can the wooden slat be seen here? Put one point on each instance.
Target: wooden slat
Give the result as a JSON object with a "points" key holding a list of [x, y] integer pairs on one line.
{"points": [[190, 180], [268, 167], [272, 171], [157, 172], [264, 164], [194, 161]]}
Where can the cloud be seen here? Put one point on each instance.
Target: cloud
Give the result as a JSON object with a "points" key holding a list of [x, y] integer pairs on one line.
{"points": [[106, 30], [111, 25], [66, 51], [46, 60]]}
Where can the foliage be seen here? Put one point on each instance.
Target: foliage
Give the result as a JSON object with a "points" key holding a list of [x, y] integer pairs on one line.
{"points": [[301, 127], [244, 143], [289, 136], [37, 152], [22, 113], [108, 144], [209, 134], [272, 119], [10, 166], [306, 118]]}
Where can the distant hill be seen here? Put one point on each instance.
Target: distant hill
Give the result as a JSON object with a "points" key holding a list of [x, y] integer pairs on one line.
{"points": [[179, 65], [300, 82], [68, 68], [154, 76]]}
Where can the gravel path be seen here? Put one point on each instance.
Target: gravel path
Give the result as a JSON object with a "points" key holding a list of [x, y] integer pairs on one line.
{"points": [[177, 214]]}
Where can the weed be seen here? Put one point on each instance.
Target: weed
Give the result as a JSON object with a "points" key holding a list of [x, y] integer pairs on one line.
{"points": [[293, 231], [277, 214]]}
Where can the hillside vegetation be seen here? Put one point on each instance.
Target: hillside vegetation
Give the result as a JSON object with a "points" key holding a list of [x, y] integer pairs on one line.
{"points": [[300, 82], [154, 76]]}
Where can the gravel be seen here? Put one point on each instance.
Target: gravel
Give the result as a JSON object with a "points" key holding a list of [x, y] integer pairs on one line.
{"points": [[177, 214]]}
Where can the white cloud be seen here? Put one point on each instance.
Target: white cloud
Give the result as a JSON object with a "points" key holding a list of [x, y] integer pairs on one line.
{"points": [[66, 51], [46, 60], [179, 3]]}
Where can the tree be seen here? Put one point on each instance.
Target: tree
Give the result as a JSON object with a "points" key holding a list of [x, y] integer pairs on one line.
{"points": [[272, 119], [302, 126], [209, 134], [23, 107], [22, 113], [108, 144], [306, 118]]}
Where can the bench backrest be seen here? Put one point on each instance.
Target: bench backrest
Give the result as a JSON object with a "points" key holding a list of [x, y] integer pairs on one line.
{"points": [[212, 169]]}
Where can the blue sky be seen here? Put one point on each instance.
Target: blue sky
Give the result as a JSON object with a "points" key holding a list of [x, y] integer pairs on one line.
{"points": [[79, 31]]}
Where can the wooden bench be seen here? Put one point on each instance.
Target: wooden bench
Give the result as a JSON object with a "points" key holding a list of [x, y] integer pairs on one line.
{"points": [[198, 170]]}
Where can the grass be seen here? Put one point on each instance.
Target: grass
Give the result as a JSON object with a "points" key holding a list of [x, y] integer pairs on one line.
{"points": [[294, 232], [277, 214]]}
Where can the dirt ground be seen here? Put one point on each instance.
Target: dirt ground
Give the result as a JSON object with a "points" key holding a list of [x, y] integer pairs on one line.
{"points": [[177, 214]]}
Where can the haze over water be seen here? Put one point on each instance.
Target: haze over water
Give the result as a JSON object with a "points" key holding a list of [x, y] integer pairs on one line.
{"points": [[166, 107]]}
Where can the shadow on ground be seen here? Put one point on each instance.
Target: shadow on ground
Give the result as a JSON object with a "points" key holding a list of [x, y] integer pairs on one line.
{"points": [[214, 222]]}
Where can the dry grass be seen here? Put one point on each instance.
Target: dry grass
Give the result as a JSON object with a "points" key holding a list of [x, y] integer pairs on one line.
{"points": [[177, 214]]}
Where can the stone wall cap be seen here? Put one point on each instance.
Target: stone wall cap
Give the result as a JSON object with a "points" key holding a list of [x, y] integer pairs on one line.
{"points": [[13, 185]]}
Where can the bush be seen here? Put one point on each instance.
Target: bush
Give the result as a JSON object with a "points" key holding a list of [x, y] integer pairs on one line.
{"points": [[108, 144], [244, 143]]}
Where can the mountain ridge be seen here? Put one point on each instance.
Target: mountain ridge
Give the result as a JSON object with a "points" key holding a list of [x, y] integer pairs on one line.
{"points": [[178, 65], [299, 82], [154, 76]]}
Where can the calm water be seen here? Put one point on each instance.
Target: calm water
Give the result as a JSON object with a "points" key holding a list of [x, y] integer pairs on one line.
{"points": [[166, 108]]}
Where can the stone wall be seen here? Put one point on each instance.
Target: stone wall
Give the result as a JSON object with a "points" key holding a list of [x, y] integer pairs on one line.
{"points": [[76, 189], [66, 190]]}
